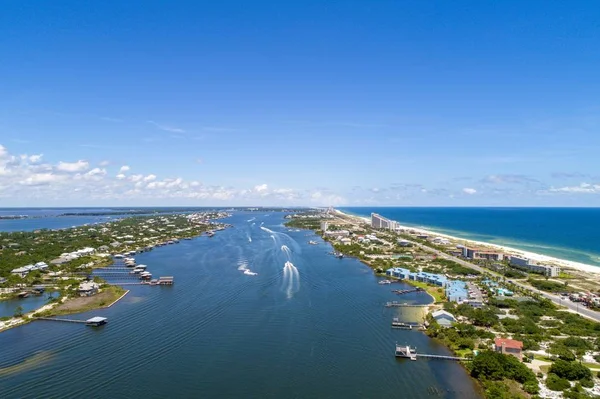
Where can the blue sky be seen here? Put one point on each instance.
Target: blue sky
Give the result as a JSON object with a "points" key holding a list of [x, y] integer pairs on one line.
{"points": [[300, 103]]}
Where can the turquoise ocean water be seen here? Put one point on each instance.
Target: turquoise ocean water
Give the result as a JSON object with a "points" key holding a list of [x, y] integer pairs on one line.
{"points": [[566, 233]]}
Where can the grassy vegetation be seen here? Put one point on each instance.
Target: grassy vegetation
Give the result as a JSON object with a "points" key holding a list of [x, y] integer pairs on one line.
{"points": [[21, 248], [108, 295], [436, 292]]}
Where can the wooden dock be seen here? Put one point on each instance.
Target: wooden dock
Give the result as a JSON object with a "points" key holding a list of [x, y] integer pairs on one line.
{"points": [[407, 326], [402, 292], [93, 322], [407, 352], [395, 304]]}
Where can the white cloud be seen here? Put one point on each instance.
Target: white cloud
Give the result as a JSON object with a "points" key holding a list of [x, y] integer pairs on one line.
{"points": [[583, 188], [35, 158], [469, 191], [261, 188], [29, 178], [73, 167], [96, 172], [104, 163], [166, 128], [42, 179]]}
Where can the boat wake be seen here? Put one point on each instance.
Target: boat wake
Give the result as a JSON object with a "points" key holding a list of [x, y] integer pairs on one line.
{"points": [[291, 279], [249, 239], [243, 267], [251, 220]]}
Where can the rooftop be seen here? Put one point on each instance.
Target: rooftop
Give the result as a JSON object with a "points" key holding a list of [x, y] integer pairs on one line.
{"points": [[508, 343]]}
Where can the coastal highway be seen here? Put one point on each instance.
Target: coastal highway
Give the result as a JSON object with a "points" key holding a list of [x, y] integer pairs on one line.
{"points": [[573, 306]]}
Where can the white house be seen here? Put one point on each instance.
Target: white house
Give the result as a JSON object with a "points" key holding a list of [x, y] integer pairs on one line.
{"points": [[443, 318], [20, 271]]}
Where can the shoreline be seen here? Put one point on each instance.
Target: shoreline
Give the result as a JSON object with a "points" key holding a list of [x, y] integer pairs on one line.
{"points": [[563, 263]]}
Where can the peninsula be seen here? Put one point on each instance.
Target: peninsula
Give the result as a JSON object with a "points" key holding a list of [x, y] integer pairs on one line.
{"points": [[62, 261]]}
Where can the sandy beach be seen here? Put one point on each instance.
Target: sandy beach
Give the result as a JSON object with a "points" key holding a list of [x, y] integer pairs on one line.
{"points": [[539, 258]]}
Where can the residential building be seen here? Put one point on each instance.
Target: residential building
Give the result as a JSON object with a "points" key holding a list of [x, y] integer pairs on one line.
{"points": [[443, 318], [88, 288], [404, 243], [509, 347], [2, 280], [324, 226], [476, 253], [457, 291], [337, 233], [379, 222], [529, 265], [20, 271]]}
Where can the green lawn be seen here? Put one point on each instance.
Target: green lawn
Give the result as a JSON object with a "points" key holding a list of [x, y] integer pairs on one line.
{"points": [[432, 290]]}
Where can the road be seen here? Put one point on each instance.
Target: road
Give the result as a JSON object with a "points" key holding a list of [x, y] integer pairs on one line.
{"points": [[574, 306]]}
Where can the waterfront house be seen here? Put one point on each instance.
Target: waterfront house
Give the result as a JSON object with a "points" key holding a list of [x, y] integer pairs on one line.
{"points": [[41, 266], [398, 272], [443, 318], [88, 288], [20, 271], [509, 347], [457, 291]]}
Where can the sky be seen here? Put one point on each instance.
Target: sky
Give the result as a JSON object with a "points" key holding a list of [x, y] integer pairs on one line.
{"points": [[318, 103]]}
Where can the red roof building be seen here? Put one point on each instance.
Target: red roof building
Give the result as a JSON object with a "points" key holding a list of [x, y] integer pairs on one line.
{"points": [[509, 347]]}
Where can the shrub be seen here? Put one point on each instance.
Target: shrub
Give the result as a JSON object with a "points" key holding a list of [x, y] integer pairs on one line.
{"points": [[587, 382], [570, 370], [531, 387], [555, 383]]}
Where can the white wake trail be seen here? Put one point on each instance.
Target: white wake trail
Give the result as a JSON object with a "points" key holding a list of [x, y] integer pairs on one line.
{"points": [[291, 279]]}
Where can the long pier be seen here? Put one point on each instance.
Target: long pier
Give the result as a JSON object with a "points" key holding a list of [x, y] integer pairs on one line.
{"points": [[402, 292], [395, 304], [63, 320]]}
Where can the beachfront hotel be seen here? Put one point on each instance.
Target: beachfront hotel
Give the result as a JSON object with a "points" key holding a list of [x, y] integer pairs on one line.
{"points": [[476, 253], [379, 222], [527, 264]]}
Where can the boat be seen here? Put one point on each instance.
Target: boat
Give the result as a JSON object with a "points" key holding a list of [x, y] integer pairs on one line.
{"points": [[210, 233], [382, 282], [311, 242], [339, 255]]}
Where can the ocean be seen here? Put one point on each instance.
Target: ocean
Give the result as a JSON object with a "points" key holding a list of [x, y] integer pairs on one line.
{"points": [[565, 233], [307, 325]]}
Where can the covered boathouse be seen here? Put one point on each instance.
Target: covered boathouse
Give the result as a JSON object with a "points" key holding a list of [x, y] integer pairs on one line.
{"points": [[96, 321]]}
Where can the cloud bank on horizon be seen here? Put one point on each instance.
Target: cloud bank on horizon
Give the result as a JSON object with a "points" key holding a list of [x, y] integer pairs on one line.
{"points": [[28, 180]]}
